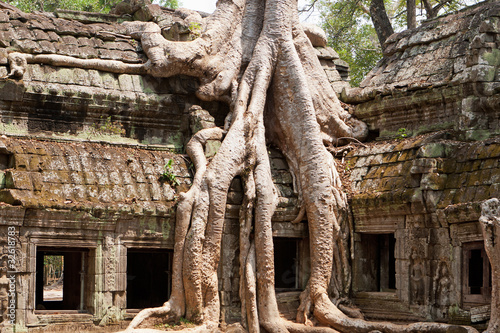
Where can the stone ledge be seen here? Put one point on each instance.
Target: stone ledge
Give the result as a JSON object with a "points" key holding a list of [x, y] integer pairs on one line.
{"points": [[384, 305]]}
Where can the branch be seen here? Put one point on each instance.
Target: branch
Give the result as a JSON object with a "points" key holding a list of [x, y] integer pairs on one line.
{"points": [[353, 139], [365, 9], [428, 9], [440, 5], [18, 62], [309, 7]]}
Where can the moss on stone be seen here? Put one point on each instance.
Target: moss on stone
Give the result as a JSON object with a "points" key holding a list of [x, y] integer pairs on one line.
{"points": [[493, 57], [432, 150], [479, 134], [13, 129]]}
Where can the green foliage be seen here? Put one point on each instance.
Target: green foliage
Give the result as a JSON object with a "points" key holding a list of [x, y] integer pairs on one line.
{"points": [[350, 31], [351, 34], [53, 267], [165, 326], [175, 326], [195, 29], [185, 321], [170, 3], [168, 174], [102, 6], [107, 127], [402, 133]]}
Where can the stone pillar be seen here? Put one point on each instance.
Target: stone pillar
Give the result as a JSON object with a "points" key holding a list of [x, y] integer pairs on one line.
{"points": [[111, 275]]}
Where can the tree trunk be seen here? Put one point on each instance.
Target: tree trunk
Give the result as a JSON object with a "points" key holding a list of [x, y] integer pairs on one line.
{"points": [[380, 21], [429, 10], [411, 14], [490, 225], [255, 56]]}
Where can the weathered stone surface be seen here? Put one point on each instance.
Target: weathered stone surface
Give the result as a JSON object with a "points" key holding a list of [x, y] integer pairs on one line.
{"points": [[433, 77], [316, 35], [110, 198], [427, 192]]}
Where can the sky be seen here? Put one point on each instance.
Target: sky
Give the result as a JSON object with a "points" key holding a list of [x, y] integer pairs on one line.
{"points": [[208, 6]]}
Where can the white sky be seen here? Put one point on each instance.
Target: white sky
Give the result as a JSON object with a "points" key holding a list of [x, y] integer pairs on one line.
{"points": [[208, 6]]}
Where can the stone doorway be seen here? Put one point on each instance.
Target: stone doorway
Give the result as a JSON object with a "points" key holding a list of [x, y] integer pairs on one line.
{"points": [[60, 278], [375, 263], [476, 270], [149, 273], [286, 265]]}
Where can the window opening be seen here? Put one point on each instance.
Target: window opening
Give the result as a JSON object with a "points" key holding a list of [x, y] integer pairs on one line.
{"points": [[60, 278], [149, 277], [53, 268], [377, 262], [286, 263], [4, 161], [476, 275], [475, 272]]}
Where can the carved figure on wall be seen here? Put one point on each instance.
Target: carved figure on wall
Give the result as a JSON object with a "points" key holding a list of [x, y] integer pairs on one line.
{"points": [[417, 276], [442, 283]]}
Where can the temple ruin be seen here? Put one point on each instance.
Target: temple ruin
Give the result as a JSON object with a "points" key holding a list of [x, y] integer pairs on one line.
{"points": [[92, 163]]}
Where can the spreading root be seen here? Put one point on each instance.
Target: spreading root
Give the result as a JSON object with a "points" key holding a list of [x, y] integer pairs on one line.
{"points": [[278, 95]]}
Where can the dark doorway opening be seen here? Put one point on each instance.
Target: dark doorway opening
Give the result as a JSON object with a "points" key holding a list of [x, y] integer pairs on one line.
{"points": [[149, 277], [387, 262], [286, 263], [60, 278], [476, 275], [377, 262]]}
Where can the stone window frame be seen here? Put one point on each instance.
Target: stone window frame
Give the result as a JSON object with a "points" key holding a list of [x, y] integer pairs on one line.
{"points": [[83, 254], [385, 262], [469, 299], [35, 243]]}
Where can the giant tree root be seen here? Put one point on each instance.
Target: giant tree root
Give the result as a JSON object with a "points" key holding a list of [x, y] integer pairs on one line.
{"points": [[254, 55], [490, 225]]}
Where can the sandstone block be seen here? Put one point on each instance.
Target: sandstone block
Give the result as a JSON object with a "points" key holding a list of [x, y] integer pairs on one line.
{"points": [[18, 180], [433, 181], [11, 90], [315, 34]]}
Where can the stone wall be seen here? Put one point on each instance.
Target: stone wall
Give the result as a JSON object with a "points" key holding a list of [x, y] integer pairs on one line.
{"points": [[441, 75], [82, 195], [416, 201], [53, 99], [108, 199], [66, 183], [427, 192]]}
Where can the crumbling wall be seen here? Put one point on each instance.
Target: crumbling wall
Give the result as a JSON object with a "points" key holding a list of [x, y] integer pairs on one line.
{"points": [[108, 198], [65, 100], [427, 191], [441, 75]]}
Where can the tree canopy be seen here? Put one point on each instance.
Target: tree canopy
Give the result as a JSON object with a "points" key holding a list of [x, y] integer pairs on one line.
{"points": [[351, 33]]}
